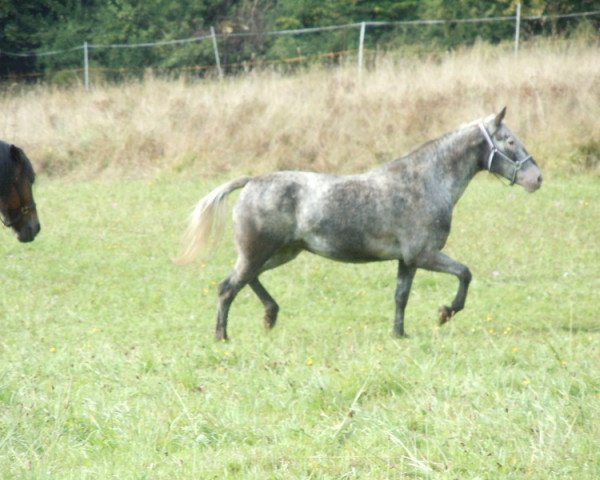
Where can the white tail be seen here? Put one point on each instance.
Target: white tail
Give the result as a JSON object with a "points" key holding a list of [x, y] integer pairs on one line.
{"points": [[206, 220]]}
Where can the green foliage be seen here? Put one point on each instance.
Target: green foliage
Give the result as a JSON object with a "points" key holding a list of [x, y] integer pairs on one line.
{"points": [[42, 25], [19, 24], [454, 34]]}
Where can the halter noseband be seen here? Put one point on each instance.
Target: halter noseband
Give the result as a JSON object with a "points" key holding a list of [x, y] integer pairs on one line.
{"points": [[24, 210], [516, 164]]}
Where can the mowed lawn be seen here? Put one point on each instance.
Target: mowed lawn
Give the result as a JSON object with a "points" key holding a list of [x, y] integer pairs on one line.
{"points": [[108, 367]]}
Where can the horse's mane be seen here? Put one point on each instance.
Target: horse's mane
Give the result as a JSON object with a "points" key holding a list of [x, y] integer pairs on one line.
{"points": [[430, 149], [7, 167], [442, 141]]}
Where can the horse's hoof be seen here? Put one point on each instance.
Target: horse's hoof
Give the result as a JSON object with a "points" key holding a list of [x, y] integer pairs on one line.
{"points": [[221, 337], [270, 323], [398, 332], [445, 314], [270, 318]]}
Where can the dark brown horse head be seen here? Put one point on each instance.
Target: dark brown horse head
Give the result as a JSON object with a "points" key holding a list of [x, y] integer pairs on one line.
{"points": [[17, 205]]}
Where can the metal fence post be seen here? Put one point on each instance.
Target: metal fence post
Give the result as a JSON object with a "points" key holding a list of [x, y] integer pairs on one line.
{"points": [[361, 47], [86, 66], [216, 49]]}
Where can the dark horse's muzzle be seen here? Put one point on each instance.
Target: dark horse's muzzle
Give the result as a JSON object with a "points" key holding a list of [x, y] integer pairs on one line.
{"points": [[25, 224], [29, 231]]}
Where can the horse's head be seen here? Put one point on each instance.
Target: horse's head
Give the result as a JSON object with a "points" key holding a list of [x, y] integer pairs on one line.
{"points": [[505, 155], [17, 205]]}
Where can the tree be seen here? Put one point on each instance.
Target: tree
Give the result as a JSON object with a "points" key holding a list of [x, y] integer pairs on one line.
{"points": [[20, 21], [64, 25]]}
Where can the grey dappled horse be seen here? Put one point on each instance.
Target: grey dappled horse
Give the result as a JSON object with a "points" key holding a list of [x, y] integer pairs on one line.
{"points": [[401, 211]]}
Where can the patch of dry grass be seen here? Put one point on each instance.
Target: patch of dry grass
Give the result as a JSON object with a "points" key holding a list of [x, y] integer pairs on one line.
{"points": [[321, 119]]}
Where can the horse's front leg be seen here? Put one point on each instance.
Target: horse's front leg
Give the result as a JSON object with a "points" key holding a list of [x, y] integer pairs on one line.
{"points": [[440, 262], [403, 284]]}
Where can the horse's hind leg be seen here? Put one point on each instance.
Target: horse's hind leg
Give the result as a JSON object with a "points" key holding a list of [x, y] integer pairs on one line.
{"points": [[247, 268], [283, 255], [240, 276], [271, 307], [228, 289]]}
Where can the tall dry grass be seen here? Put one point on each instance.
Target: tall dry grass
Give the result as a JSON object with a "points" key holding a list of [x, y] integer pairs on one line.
{"points": [[320, 119]]}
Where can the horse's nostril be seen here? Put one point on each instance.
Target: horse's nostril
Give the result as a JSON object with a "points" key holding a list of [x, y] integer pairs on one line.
{"points": [[540, 180]]}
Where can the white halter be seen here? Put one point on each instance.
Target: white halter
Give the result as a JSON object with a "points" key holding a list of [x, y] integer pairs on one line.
{"points": [[516, 164]]}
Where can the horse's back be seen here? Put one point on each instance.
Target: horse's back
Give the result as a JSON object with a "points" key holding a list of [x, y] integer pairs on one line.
{"points": [[299, 195], [272, 203]]}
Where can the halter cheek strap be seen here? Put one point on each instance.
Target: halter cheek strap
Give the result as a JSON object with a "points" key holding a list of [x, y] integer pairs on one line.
{"points": [[24, 210], [516, 164]]}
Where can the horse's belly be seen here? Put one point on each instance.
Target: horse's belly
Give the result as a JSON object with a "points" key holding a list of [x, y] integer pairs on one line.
{"points": [[353, 248]]}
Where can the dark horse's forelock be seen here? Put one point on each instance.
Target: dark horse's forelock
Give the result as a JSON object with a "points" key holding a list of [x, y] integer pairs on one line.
{"points": [[8, 166]]}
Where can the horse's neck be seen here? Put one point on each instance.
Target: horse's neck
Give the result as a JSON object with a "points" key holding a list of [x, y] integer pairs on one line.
{"points": [[456, 161], [445, 165]]}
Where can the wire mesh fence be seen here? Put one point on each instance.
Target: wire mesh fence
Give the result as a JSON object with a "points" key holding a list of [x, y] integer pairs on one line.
{"points": [[228, 52]]}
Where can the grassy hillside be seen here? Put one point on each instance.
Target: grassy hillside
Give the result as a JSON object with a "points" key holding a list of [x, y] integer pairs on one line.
{"points": [[321, 119]]}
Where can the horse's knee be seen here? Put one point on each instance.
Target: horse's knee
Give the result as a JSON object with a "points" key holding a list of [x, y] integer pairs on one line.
{"points": [[465, 276], [226, 291], [223, 287]]}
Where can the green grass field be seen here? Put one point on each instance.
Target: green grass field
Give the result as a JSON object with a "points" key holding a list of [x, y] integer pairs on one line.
{"points": [[108, 367]]}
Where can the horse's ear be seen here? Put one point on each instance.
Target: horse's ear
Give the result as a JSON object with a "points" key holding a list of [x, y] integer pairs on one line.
{"points": [[499, 117], [22, 162], [19, 159], [15, 154]]}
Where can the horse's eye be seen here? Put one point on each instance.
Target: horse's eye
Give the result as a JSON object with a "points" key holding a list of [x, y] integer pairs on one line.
{"points": [[511, 142]]}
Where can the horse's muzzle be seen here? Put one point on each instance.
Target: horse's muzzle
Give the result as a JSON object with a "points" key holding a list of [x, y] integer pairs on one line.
{"points": [[532, 185], [530, 179], [28, 232]]}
